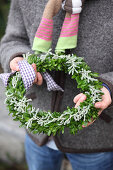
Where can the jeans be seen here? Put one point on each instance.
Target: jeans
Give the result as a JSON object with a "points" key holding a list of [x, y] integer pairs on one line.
{"points": [[45, 158]]}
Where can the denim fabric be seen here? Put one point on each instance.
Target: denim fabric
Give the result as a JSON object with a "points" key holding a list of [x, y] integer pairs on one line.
{"points": [[42, 158], [45, 158]]}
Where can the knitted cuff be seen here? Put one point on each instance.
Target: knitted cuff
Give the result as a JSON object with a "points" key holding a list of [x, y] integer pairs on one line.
{"points": [[68, 36], [43, 38]]}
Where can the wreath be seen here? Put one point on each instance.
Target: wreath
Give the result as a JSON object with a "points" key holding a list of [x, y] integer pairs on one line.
{"points": [[36, 120], [48, 122]]}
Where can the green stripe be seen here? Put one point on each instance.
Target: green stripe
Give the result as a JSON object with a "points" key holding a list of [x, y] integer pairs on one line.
{"points": [[66, 43], [41, 45]]}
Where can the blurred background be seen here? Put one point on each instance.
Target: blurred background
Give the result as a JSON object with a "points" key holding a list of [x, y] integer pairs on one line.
{"points": [[4, 8], [11, 136]]}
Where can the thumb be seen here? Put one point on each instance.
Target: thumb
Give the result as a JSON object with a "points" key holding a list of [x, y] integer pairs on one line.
{"points": [[101, 105], [16, 67], [40, 79], [14, 63]]}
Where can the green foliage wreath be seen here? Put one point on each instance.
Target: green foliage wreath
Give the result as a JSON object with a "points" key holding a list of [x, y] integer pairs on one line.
{"points": [[49, 123]]}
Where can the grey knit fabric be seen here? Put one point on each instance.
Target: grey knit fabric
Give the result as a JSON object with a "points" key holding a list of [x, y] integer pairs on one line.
{"points": [[95, 43]]}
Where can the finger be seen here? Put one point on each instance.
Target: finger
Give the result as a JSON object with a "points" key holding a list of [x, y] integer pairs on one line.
{"points": [[34, 67], [101, 105], [39, 79], [12, 71], [80, 100], [14, 66], [14, 63], [77, 97], [106, 99]]}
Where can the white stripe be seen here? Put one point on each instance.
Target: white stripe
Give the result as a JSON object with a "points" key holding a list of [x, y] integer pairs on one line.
{"points": [[76, 10], [76, 3]]}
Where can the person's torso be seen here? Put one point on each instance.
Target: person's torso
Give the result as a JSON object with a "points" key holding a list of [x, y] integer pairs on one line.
{"points": [[95, 44]]}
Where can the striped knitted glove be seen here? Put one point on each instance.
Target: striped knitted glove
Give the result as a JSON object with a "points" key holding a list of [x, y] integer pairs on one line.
{"points": [[69, 32], [43, 37]]}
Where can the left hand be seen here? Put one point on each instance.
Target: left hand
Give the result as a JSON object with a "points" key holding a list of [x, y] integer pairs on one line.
{"points": [[106, 101]]}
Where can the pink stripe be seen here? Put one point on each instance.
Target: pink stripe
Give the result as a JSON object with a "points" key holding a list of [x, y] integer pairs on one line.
{"points": [[72, 17], [69, 26], [69, 35], [72, 21], [45, 29], [47, 23], [46, 26], [70, 30], [65, 23], [43, 38], [46, 19], [44, 32]]}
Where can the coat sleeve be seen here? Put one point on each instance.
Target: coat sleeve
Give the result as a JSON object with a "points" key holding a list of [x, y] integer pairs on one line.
{"points": [[15, 42], [107, 78]]}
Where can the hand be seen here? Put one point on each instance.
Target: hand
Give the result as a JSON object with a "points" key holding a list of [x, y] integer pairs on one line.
{"points": [[14, 64], [106, 101], [14, 67]]}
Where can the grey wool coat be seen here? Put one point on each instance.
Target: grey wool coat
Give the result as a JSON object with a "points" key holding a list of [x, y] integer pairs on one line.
{"points": [[95, 43]]}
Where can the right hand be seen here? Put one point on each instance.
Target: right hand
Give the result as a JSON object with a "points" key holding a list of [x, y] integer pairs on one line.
{"points": [[14, 67], [103, 104]]}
